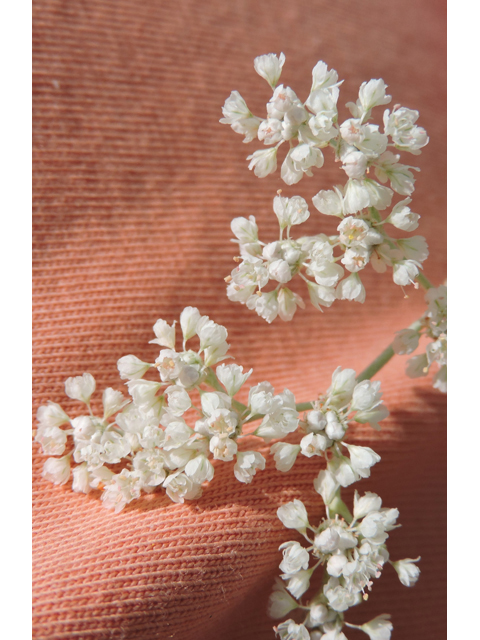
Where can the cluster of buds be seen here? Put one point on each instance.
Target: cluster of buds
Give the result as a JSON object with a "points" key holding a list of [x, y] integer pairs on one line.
{"points": [[353, 552], [362, 238], [432, 325]]}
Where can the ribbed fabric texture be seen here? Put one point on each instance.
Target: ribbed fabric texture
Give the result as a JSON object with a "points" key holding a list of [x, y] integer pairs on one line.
{"points": [[135, 186]]}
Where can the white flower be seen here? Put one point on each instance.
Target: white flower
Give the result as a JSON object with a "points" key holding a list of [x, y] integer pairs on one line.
{"points": [[318, 614], [238, 116], [280, 602], [380, 628], [339, 598], [342, 471], [372, 94], [329, 202], [81, 479], [364, 505], [52, 415], [245, 230], [328, 540], [341, 389], [123, 488], [131, 367], [335, 429], [373, 417], [417, 366], [366, 395], [178, 400], [290, 211], [284, 455], [280, 271], [263, 162], [144, 394], [401, 178], [80, 387], [415, 248], [289, 630], [232, 377], [149, 467], [322, 77], [300, 160], [199, 469], [402, 218], [295, 557], [57, 470], [189, 319], [405, 272], [293, 515], [281, 419], [406, 135], [180, 487], [316, 421], [321, 295], [405, 341], [326, 485], [52, 440], [352, 231], [362, 458], [270, 131], [247, 464], [355, 164], [223, 448], [288, 301], [266, 305], [356, 258], [165, 334], [298, 582], [210, 333], [314, 444], [112, 402], [260, 398], [408, 572], [352, 131], [336, 564], [269, 66]]}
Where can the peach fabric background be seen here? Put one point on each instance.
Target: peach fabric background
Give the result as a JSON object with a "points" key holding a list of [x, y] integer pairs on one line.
{"points": [[135, 185]]}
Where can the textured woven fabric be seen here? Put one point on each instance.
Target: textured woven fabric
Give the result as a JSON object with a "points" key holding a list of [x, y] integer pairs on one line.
{"points": [[135, 185]]}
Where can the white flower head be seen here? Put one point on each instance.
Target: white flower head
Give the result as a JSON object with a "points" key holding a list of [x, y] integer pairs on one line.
{"points": [[294, 515], [80, 387], [269, 67]]}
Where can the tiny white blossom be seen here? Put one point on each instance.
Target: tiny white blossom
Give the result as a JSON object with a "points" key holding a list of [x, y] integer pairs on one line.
{"points": [[52, 415], [132, 368], [266, 305], [289, 630], [366, 395], [80, 387], [405, 341], [321, 295], [298, 582], [295, 557], [365, 504], [294, 515], [362, 458], [112, 402], [290, 211], [314, 444], [355, 164], [326, 485], [232, 377], [165, 334], [288, 301], [81, 479], [52, 440], [178, 400], [269, 67], [238, 116], [199, 469], [57, 470], [373, 416], [380, 628], [280, 602], [263, 162], [329, 202], [405, 272], [407, 570], [402, 217], [284, 455], [188, 321], [247, 464], [417, 366], [180, 487], [223, 448], [373, 94]]}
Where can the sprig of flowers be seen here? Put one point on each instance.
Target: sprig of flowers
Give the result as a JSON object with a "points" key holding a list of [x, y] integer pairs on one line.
{"points": [[362, 238], [433, 325]]}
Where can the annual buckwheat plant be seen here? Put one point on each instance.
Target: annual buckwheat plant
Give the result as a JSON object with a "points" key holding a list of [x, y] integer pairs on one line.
{"points": [[181, 416], [364, 204]]}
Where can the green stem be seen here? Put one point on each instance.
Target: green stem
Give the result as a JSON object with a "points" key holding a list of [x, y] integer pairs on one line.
{"points": [[381, 360], [424, 282]]}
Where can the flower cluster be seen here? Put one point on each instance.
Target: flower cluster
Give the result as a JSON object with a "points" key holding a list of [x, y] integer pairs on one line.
{"points": [[325, 427], [353, 552], [433, 325], [362, 238], [150, 432]]}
